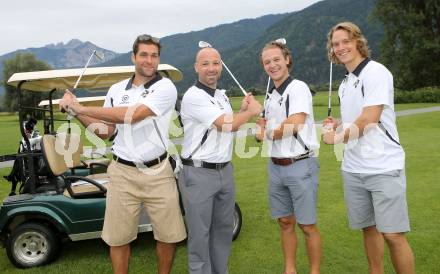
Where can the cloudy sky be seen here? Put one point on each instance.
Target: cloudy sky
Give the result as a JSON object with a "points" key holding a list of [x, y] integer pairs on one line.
{"points": [[113, 24]]}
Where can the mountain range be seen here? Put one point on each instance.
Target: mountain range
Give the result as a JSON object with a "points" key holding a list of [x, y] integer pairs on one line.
{"points": [[240, 44], [73, 54]]}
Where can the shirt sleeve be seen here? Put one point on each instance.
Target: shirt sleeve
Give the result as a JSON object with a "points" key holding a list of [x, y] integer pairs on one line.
{"points": [[378, 87], [299, 99], [108, 102], [202, 109], [162, 98]]}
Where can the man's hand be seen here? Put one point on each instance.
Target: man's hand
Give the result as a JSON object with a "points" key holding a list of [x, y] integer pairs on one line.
{"points": [[331, 137], [260, 129], [69, 103], [330, 123], [245, 102], [253, 105], [328, 136]]}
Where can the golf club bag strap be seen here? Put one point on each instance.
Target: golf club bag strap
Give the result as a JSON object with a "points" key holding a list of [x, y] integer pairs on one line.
{"points": [[296, 135]]}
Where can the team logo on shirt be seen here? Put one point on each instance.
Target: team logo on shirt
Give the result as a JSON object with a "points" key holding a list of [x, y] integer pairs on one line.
{"points": [[356, 83], [124, 99], [145, 93], [280, 101]]}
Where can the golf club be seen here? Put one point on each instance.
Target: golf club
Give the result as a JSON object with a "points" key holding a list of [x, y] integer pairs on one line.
{"points": [[94, 53], [100, 57], [330, 91], [263, 114], [203, 44]]}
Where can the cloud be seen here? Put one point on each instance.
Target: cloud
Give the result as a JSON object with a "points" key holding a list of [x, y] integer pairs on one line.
{"points": [[114, 24]]}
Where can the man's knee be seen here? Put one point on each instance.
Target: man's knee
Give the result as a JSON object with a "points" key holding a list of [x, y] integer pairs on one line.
{"points": [[394, 238], [287, 223], [309, 229], [120, 249]]}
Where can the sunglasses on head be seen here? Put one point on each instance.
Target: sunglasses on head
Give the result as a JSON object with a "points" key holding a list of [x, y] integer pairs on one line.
{"points": [[147, 37]]}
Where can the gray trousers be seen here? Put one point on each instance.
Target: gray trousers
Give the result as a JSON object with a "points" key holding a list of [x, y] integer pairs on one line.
{"points": [[208, 197]]}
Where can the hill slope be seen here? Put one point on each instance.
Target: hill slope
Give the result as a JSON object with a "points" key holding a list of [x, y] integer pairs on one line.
{"points": [[306, 35]]}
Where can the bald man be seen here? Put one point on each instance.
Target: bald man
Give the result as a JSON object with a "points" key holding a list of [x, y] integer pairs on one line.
{"points": [[206, 181]]}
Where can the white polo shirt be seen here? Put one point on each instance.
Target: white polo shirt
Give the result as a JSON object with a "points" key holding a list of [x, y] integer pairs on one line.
{"points": [[277, 110], [201, 106], [370, 84], [140, 142]]}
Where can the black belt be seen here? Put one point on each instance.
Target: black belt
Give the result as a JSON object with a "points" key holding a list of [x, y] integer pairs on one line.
{"points": [[289, 161], [147, 164], [198, 163]]}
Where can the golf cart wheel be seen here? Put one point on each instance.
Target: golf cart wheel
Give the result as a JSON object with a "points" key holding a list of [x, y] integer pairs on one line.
{"points": [[32, 244], [237, 222]]}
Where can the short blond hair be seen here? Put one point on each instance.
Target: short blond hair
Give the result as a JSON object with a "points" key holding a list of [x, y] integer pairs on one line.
{"points": [[354, 32]]}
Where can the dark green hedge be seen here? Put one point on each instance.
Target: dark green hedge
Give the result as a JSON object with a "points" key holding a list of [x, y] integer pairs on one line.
{"points": [[423, 95]]}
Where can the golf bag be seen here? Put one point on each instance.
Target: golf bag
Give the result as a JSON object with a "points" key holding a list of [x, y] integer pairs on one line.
{"points": [[20, 166]]}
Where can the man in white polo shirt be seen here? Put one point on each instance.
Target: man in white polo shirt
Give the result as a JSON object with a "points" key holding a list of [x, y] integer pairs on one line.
{"points": [[289, 128], [373, 166], [139, 110], [206, 181]]}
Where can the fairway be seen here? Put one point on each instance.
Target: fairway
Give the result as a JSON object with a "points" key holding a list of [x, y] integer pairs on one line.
{"points": [[257, 249]]}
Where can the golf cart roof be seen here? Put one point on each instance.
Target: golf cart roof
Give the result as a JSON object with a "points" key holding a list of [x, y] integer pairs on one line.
{"points": [[93, 78], [94, 101]]}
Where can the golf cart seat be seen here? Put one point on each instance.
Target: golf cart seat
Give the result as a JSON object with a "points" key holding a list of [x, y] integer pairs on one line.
{"points": [[78, 166], [59, 152]]}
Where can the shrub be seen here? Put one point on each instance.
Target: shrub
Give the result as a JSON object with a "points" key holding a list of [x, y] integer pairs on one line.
{"points": [[422, 95]]}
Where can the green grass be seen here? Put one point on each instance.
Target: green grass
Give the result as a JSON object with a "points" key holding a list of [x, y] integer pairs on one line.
{"points": [[257, 249]]}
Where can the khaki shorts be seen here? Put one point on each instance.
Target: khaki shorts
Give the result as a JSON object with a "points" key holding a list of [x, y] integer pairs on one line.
{"points": [[128, 188]]}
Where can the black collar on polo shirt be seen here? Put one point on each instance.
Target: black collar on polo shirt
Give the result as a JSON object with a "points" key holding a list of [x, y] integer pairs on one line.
{"points": [[204, 87], [148, 84], [357, 71], [283, 86]]}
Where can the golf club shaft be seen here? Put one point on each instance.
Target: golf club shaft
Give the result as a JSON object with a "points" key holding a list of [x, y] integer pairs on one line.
{"points": [[330, 91], [242, 89], [268, 85], [263, 114], [84, 70], [69, 116]]}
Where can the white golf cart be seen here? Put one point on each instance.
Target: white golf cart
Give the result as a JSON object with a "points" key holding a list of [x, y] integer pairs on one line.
{"points": [[53, 202]]}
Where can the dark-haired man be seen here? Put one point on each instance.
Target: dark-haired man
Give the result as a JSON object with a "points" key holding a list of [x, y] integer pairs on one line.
{"points": [[140, 108]]}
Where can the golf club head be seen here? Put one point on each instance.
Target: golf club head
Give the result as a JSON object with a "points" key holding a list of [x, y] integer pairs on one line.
{"points": [[99, 55], [281, 41], [203, 44]]}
